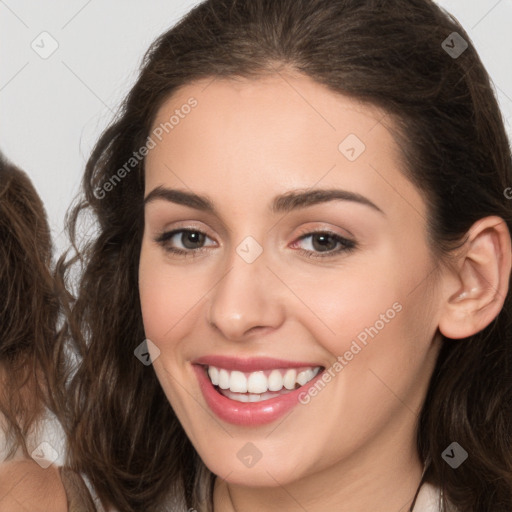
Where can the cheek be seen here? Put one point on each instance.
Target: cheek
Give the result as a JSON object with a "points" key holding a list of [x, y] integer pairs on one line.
{"points": [[156, 301], [167, 298], [168, 295], [379, 293], [375, 316], [341, 303]]}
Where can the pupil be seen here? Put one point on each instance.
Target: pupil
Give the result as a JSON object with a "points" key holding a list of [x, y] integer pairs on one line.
{"points": [[191, 238], [325, 241]]}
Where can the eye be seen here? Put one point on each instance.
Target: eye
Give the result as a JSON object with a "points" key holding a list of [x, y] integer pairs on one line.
{"points": [[191, 241], [323, 244]]}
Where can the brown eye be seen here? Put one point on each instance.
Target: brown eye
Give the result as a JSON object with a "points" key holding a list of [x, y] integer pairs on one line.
{"points": [[323, 241], [324, 244], [182, 241], [189, 239]]}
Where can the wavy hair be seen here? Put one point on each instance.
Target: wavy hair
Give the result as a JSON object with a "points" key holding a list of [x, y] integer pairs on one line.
{"points": [[28, 308], [123, 433]]}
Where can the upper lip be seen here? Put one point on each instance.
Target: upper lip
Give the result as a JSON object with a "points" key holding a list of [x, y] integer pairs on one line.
{"points": [[250, 364]]}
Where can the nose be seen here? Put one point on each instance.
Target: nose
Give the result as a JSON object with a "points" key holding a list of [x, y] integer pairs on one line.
{"points": [[247, 299]]}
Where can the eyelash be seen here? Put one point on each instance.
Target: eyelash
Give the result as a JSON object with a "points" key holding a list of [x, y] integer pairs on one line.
{"points": [[346, 244]]}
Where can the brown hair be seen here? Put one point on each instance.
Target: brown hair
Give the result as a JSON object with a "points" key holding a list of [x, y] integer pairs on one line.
{"points": [[28, 306], [125, 435]]}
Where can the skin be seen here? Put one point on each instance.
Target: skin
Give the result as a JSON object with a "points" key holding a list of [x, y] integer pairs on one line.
{"points": [[352, 447], [26, 486]]}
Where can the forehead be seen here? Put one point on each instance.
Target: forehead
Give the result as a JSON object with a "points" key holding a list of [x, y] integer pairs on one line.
{"points": [[245, 136], [283, 98]]}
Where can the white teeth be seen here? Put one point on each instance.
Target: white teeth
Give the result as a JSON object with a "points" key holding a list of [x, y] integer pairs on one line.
{"points": [[259, 385], [238, 382], [305, 376], [223, 379], [248, 397], [275, 381], [214, 375], [289, 379]]}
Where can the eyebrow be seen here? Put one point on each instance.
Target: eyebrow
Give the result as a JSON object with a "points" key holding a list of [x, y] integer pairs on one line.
{"points": [[292, 200]]}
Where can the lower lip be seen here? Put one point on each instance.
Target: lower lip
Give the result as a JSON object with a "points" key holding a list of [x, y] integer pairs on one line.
{"points": [[248, 413]]}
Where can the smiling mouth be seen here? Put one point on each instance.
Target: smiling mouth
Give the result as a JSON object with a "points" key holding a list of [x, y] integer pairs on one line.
{"points": [[260, 385]]}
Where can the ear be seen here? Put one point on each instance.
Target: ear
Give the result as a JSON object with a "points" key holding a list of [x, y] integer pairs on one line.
{"points": [[476, 295]]}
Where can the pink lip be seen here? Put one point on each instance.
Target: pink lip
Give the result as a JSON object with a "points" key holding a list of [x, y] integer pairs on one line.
{"points": [[249, 413], [253, 364]]}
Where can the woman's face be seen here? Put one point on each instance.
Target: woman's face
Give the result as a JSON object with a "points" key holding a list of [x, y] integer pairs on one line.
{"points": [[303, 264]]}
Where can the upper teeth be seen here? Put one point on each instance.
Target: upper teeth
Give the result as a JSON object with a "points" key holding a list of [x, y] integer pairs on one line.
{"points": [[261, 381]]}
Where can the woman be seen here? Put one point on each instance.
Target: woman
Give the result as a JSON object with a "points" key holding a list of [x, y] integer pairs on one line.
{"points": [[302, 226], [28, 315]]}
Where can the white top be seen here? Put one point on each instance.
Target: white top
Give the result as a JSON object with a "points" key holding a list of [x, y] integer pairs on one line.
{"points": [[46, 430], [428, 499]]}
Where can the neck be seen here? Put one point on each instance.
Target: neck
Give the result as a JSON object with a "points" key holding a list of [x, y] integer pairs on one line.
{"points": [[374, 480]]}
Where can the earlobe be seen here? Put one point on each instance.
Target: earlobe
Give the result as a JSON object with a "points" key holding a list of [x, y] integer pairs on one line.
{"points": [[483, 275]]}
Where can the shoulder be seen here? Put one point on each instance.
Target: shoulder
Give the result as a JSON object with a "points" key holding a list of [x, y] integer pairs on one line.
{"points": [[24, 485]]}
